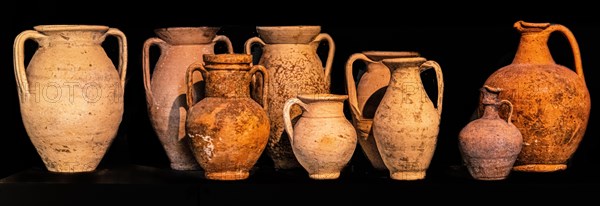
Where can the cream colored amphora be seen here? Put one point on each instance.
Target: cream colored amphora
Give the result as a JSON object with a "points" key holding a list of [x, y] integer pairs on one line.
{"points": [[365, 95], [406, 123], [290, 55], [322, 139], [71, 94]]}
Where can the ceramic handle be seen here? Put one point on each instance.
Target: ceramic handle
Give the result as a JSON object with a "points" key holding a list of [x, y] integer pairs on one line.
{"points": [[265, 83], [19, 59], [331, 44], [122, 53], [351, 85], [440, 81], [510, 110], [252, 41], [289, 129], [189, 80], [225, 39], [146, 65], [574, 46], [248, 50]]}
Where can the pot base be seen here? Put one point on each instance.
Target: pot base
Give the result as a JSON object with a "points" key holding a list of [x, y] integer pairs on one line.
{"points": [[229, 175], [325, 176], [540, 168], [418, 175], [490, 178]]}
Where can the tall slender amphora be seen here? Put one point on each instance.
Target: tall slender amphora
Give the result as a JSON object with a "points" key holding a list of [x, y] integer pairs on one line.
{"points": [[165, 89], [290, 55], [228, 130], [406, 123], [71, 94], [551, 102], [365, 95]]}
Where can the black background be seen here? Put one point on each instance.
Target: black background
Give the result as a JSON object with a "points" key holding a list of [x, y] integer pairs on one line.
{"points": [[469, 42]]}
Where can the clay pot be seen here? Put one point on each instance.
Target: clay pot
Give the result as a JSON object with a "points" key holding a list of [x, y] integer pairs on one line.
{"points": [[165, 89], [323, 140], [551, 102], [290, 55], [364, 97], [228, 130], [406, 123], [490, 145], [71, 94]]}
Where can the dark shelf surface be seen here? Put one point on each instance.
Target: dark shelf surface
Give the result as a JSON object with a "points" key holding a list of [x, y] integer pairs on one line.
{"points": [[148, 185]]}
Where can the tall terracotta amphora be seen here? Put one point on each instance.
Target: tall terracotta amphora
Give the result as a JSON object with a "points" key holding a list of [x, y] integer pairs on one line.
{"points": [[228, 130], [290, 55], [365, 95], [490, 145], [165, 89], [406, 123], [551, 102], [323, 140], [71, 94]]}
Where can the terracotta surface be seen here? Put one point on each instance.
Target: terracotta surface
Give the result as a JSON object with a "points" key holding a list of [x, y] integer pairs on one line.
{"points": [[322, 139], [71, 93], [365, 95], [290, 55], [490, 145], [165, 88], [551, 102], [406, 123], [228, 130]]}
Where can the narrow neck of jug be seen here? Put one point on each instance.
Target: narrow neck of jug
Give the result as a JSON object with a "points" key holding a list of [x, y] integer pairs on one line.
{"points": [[407, 77], [323, 105], [490, 101], [490, 111], [533, 45], [227, 83]]}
